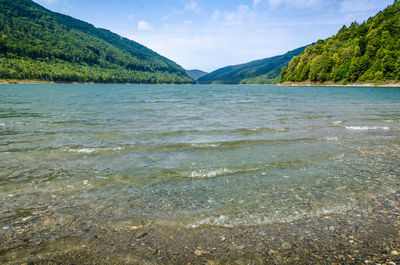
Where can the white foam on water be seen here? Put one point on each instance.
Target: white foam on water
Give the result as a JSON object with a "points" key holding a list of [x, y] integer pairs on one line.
{"points": [[205, 145], [337, 122], [389, 121], [247, 219], [81, 150], [209, 173], [85, 182], [6, 227], [215, 172], [26, 218], [332, 138], [92, 150], [365, 128], [2, 124], [339, 157], [221, 220]]}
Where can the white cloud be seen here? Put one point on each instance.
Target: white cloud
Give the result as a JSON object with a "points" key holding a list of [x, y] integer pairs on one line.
{"points": [[215, 44], [256, 2], [293, 3], [144, 25], [352, 6], [192, 6], [237, 17], [215, 15]]}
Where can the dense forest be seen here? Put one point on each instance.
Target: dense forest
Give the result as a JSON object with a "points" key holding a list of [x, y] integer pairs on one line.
{"points": [[359, 53], [195, 73], [37, 44], [264, 71]]}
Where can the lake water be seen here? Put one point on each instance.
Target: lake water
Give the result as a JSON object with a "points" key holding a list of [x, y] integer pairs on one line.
{"points": [[190, 155]]}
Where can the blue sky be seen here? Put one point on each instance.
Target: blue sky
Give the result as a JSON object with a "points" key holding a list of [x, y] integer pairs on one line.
{"points": [[209, 34]]}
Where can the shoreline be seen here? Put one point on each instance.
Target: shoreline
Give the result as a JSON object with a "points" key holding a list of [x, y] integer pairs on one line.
{"points": [[22, 82], [294, 84], [333, 84]]}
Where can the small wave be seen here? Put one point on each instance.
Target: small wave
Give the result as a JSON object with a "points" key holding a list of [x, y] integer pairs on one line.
{"points": [[245, 131], [92, 150], [217, 172], [173, 133], [2, 124], [26, 218], [246, 219], [332, 138], [228, 144], [81, 150], [337, 122], [204, 145], [212, 173], [389, 121], [259, 130], [365, 128]]}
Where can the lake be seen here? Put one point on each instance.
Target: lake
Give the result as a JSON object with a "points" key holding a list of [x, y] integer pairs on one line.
{"points": [[189, 156]]}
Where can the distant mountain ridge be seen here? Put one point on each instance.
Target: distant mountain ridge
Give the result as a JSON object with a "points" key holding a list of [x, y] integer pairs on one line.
{"points": [[36, 43], [360, 53], [195, 73], [264, 71]]}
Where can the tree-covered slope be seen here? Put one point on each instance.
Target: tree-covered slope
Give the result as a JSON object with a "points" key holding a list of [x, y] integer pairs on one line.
{"points": [[264, 71], [36, 43], [195, 73], [362, 52]]}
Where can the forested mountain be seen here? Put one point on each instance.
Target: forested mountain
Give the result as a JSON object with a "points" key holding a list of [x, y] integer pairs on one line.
{"points": [[195, 74], [264, 71], [38, 44], [359, 53]]}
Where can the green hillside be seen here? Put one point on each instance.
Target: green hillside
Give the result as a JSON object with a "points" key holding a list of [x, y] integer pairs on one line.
{"points": [[264, 71], [360, 53], [37, 44], [195, 74]]}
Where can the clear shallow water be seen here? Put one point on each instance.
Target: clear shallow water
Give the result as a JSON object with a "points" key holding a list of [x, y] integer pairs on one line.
{"points": [[191, 155]]}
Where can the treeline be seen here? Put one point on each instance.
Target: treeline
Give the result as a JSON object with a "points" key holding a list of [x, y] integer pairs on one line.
{"points": [[264, 71], [361, 52], [61, 71], [36, 43]]}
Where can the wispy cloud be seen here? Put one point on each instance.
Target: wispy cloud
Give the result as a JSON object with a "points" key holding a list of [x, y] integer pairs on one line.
{"points": [[238, 16], [256, 2], [354, 6], [294, 3], [192, 6], [215, 16], [144, 26]]}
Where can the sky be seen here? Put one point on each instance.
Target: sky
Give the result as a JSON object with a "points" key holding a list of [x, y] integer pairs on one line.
{"points": [[210, 34]]}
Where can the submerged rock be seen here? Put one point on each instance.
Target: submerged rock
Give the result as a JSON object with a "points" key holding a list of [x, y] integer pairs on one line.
{"points": [[199, 253], [286, 246]]}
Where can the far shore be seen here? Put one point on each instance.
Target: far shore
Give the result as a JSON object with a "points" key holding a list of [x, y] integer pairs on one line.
{"points": [[16, 81], [304, 83], [337, 84]]}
